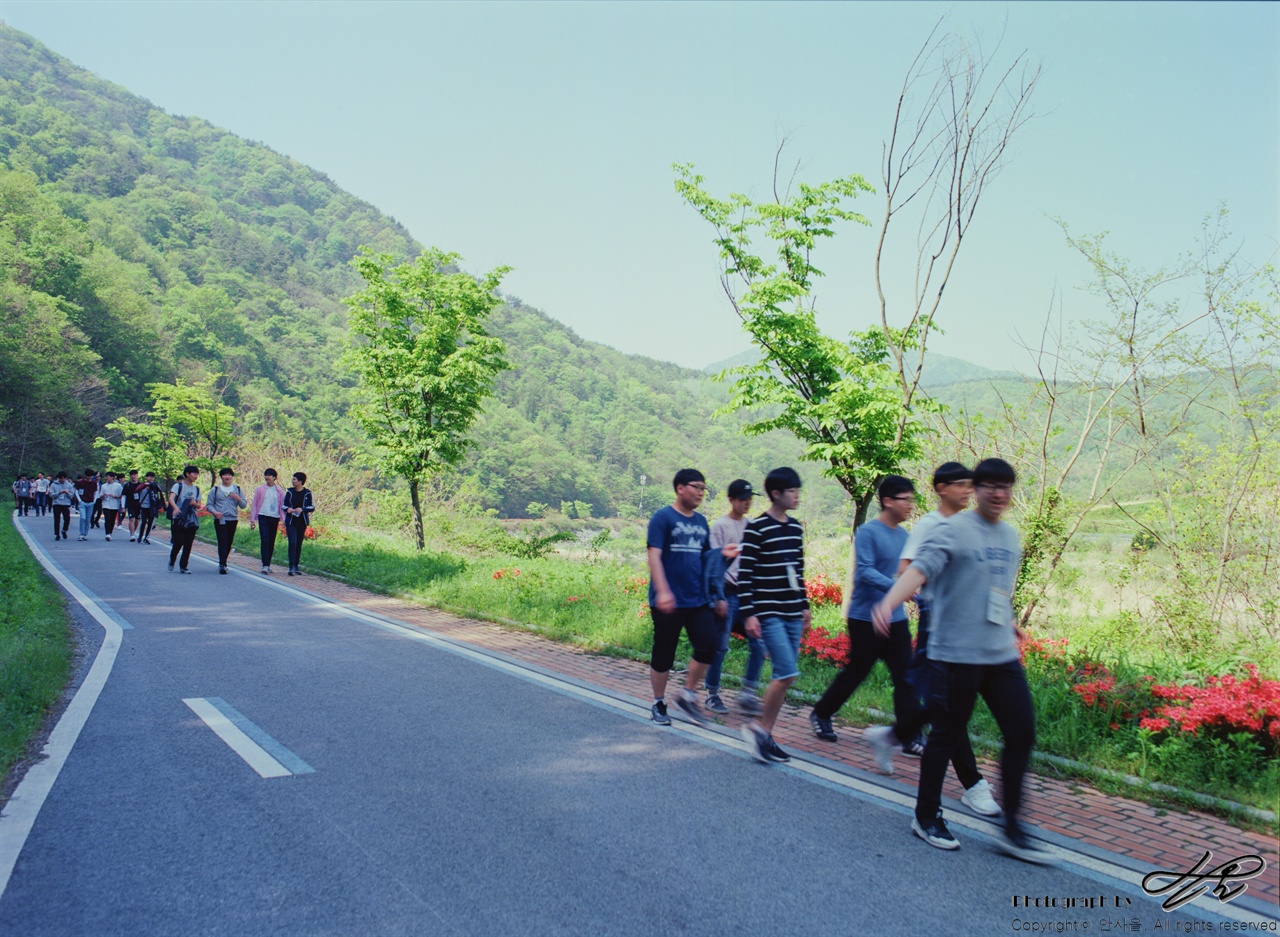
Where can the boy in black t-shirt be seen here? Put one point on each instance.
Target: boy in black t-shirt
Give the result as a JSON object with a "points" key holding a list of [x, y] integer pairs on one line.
{"points": [[678, 540]]}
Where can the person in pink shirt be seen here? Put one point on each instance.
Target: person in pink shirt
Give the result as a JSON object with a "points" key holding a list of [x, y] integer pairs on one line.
{"points": [[264, 514]]}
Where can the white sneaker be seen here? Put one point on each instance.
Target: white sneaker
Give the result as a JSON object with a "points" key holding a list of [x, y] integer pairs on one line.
{"points": [[884, 744], [978, 799]]}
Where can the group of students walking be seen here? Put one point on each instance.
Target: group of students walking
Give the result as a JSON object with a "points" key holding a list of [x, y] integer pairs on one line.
{"points": [[133, 504], [960, 566]]}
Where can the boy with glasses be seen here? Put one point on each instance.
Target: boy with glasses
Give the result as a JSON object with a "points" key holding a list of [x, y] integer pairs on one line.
{"points": [[971, 565], [678, 541]]}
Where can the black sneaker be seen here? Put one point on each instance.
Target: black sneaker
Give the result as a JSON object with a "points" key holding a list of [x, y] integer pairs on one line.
{"points": [[688, 704], [822, 727], [716, 704], [291, 572], [146, 540], [935, 834], [757, 741], [773, 752], [1018, 844], [916, 747], [185, 571], [657, 712], [222, 570]]}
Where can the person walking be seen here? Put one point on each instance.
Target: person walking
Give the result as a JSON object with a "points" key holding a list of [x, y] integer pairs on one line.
{"points": [[185, 498], [970, 562], [264, 514], [22, 495], [677, 542], [95, 517], [86, 497], [722, 587], [131, 508], [40, 493], [298, 507], [877, 546], [953, 484], [112, 495], [773, 601], [150, 498], [61, 496], [225, 502]]}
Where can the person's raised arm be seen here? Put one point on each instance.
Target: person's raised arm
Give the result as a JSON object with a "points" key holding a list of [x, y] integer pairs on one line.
{"points": [[907, 585]]}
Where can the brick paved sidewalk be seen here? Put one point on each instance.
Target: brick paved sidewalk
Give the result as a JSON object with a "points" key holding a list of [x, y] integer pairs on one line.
{"points": [[1152, 838]]}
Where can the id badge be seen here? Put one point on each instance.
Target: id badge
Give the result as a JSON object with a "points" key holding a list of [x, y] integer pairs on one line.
{"points": [[792, 579], [999, 608]]}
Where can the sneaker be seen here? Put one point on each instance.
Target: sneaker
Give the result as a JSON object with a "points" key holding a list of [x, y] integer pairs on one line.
{"points": [[822, 728], [56, 538], [170, 567], [108, 538], [716, 704], [935, 834], [266, 570], [132, 539], [222, 570], [185, 571], [883, 746], [978, 799], [773, 752], [291, 572], [688, 704], [657, 712], [749, 703], [84, 538], [915, 748], [1019, 845], [146, 540], [757, 742]]}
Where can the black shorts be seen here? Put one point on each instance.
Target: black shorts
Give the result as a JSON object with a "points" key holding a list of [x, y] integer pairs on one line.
{"points": [[698, 623], [133, 511]]}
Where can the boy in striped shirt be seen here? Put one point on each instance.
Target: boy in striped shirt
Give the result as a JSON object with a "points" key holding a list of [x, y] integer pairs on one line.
{"points": [[773, 601]]}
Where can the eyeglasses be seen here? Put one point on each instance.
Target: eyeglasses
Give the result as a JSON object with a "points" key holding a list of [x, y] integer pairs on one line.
{"points": [[695, 487], [992, 486]]}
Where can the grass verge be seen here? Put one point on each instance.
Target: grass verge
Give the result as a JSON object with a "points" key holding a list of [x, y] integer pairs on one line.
{"points": [[35, 645]]}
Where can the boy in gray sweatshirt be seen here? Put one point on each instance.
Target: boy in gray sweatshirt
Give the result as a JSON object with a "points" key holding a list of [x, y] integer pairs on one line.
{"points": [[971, 565]]}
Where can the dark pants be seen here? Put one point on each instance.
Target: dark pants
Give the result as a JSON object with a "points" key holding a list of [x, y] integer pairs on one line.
{"points": [[183, 538], [953, 690], [962, 758], [226, 537], [267, 527], [61, 511], [96, 515], [865, 648], [296, 533], [698, 623], [109, 516], [24, 506], [146, 520]]}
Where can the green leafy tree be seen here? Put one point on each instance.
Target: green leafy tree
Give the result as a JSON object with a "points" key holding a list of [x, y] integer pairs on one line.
{"points": [[839, 398], [424, 360], [187, 423]]}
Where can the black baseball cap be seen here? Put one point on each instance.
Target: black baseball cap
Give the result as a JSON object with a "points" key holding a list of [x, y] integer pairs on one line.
{"points": [[741, 488]]}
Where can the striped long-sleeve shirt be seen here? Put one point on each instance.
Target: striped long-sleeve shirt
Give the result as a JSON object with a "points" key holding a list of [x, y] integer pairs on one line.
{"points": [[771, 574]]}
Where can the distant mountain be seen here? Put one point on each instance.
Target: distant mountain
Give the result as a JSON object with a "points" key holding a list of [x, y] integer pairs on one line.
{"points": [[939, 370]]}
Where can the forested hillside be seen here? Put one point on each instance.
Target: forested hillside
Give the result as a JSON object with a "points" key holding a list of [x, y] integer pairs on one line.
{"points": [[139, 246]]}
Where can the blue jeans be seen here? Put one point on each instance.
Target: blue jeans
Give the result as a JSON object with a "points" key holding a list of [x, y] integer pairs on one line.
{"points": [[86, 511], [781, 637], [755, 661]]}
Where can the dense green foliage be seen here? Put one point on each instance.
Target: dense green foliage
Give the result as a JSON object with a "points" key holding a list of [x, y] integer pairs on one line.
{"points": [[35, 645], [139, 247]]}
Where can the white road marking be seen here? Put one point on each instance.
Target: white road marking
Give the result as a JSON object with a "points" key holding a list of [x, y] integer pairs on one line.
{"points": [[20, 813], [254, 754]]}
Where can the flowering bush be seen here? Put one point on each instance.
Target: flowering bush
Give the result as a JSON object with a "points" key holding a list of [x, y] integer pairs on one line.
{"points": [[829, 647], [823, 591], [1227, 702]]}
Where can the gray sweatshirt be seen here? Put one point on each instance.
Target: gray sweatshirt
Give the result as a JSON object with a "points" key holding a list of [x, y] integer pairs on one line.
{"points": [[971, 566], [222, 502], [62, 493]]}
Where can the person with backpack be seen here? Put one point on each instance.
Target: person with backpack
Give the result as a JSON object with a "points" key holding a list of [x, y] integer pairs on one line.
{"points": [[185, 498], [298, 507], [225, 502], [86, 496], [150, 499]]}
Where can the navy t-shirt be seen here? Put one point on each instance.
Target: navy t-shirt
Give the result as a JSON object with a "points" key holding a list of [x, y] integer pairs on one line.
{"points": [[683, 542]]}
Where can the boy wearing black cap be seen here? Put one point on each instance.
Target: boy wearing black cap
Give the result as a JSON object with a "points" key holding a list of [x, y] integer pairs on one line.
{"points": [[773, 601], [678, 541], [722, 586], [877, 545], [971, 563]]}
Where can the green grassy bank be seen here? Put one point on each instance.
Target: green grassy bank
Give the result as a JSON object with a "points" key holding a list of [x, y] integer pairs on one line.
{"points": [[35, 644]]}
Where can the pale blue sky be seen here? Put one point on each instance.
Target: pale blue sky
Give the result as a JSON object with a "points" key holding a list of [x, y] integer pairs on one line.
{"points": [[541, 135]]}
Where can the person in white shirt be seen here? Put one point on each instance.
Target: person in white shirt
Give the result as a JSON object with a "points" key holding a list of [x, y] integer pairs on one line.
{"points": [[112, 494], [264, 514]]}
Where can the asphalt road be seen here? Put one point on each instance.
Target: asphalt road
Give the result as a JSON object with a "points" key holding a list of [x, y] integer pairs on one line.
{"points": [[446, 796]]}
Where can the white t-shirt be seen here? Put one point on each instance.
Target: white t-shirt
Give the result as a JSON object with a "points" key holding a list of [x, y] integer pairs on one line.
{"points": [[270, 501], [111, 495]]}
